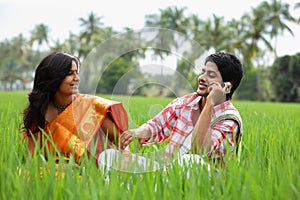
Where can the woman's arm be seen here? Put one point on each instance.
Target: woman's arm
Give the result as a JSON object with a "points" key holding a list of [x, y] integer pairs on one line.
{"points": [[110, 129], [32, 140]]}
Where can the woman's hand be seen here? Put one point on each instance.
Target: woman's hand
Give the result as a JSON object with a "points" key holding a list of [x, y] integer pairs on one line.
{"points": [[142, 133]]}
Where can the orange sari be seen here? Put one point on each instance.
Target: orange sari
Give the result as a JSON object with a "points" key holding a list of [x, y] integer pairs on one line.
{"points": [[78, 128]]}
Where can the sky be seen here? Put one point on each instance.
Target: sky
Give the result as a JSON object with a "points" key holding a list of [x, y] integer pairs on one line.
{"points": [[61, 16]]}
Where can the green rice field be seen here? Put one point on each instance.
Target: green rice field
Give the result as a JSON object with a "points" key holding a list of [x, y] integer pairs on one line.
{"points": [[269, 167]]}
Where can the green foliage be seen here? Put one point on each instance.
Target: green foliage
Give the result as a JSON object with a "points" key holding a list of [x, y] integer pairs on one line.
{"points": [[285, 75], [249, 37], [116, 76], [184, 78], [247, 88], [269, 166]]}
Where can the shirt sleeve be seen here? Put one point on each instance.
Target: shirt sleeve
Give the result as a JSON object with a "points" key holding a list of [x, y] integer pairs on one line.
{"points": [[161, 124], [223, 134]]}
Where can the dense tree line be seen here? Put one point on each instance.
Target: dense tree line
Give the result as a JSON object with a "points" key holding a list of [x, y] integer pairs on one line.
{"points": [[110, 56]]}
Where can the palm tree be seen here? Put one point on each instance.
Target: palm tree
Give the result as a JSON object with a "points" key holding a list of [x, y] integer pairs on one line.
{"points": [[171, 18], [58, 45], [40, 34], [215, 33], [72, 43], [276, 15], [16, 63], [195, 33], [296, 6], [254, 37], [20, 45], [264, 23], [91, 26], [22, 54], [236, 30]]}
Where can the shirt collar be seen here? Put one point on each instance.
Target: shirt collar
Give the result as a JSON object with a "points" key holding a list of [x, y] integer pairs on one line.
{"points": [[222, 106], [218, 108]]}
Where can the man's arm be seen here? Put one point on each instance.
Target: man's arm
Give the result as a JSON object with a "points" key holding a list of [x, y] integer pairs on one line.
{"points": [[155, 128], [223, 135], [143, 133], [201, 139]]}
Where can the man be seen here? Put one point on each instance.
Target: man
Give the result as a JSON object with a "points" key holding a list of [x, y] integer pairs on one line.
{"points": [[203, 122], [207, 115]]}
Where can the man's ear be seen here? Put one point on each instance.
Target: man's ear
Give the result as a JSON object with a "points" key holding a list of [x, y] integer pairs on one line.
{"points": [[231, 84]]}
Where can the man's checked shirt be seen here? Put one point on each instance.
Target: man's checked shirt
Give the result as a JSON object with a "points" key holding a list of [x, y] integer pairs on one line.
{"points": [[175, 121]]}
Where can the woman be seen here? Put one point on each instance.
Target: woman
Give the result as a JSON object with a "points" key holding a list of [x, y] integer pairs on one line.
{"points": [[58, 119]]}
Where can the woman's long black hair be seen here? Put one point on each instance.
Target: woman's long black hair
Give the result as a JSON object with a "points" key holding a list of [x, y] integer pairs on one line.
{"points": [[49, 74]]}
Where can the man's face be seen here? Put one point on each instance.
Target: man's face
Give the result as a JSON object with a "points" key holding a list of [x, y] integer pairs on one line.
{"points": [[210, 74]]}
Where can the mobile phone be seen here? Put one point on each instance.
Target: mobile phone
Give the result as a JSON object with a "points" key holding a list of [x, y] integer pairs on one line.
{"points": [[228, 89]]}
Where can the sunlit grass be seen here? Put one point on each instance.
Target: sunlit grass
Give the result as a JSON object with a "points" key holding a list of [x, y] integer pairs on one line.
{"points": [[269, 166]]}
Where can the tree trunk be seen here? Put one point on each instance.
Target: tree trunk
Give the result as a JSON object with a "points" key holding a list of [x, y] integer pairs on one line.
{"points": [[258, 82]]}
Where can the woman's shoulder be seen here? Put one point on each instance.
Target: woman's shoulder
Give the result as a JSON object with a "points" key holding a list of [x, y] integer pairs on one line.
{"points": [[96, 99]]}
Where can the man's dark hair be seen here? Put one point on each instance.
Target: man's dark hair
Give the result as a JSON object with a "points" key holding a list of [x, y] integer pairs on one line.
{"points": [[230, 68]]}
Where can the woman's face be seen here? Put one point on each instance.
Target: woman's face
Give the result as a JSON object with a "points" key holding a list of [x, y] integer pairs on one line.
{"points": [[70, 84]]}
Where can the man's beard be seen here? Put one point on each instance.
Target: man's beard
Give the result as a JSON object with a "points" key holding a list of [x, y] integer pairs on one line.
{"points": [[202, 94]]}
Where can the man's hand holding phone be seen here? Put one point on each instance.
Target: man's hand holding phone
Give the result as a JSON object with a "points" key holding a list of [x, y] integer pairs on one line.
{"points": [[217, 92]]}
